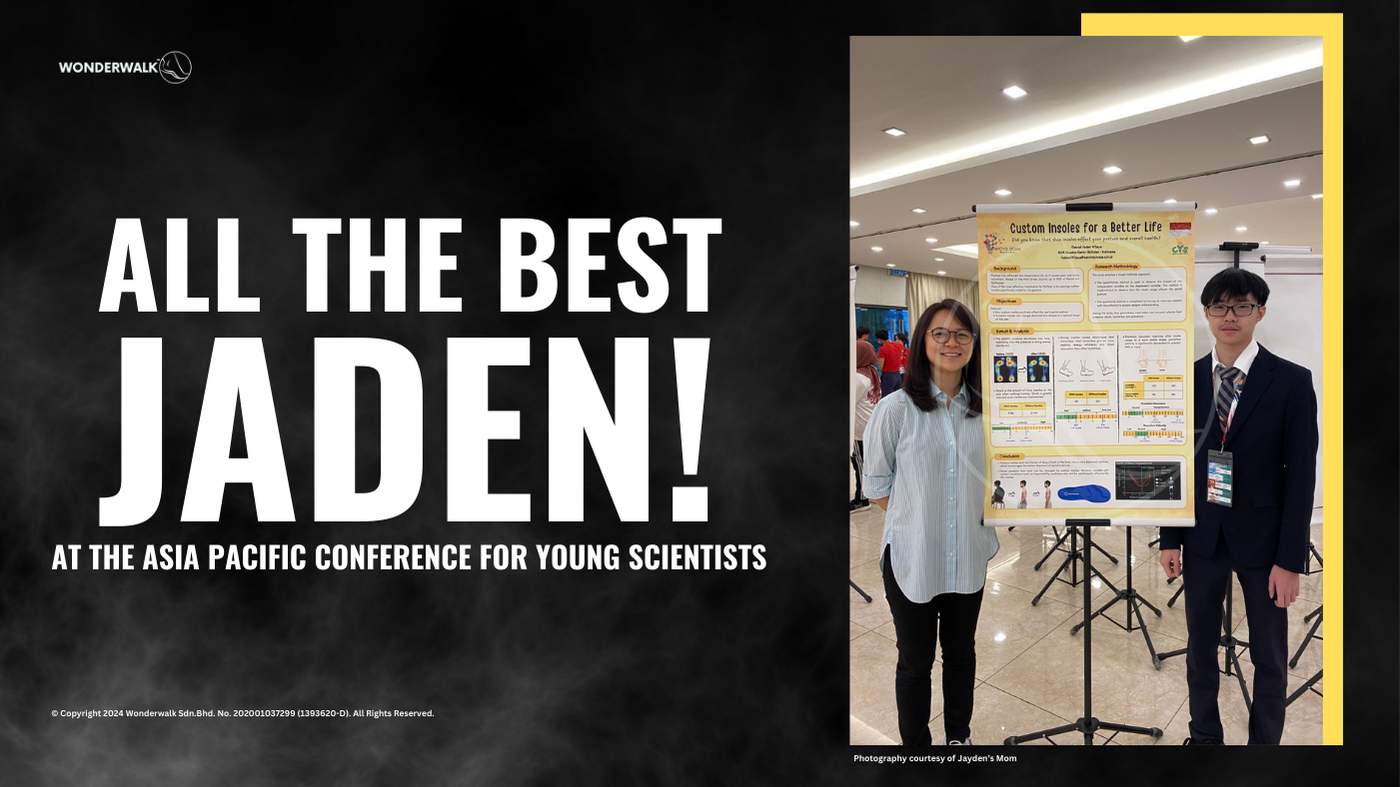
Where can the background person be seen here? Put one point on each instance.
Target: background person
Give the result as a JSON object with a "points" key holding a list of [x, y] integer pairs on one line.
{"points": [[867, 395], [923, 467], [891, 363]]}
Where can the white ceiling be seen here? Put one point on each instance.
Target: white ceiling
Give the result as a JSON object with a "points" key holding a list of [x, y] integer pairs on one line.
{"points": [[946, 94]]}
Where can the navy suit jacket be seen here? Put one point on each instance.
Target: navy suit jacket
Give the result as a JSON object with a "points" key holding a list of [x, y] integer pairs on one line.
{"points": [[1274, 441]]}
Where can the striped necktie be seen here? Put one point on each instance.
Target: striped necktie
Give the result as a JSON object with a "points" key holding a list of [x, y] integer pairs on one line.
{"points": [[1231, 383]]}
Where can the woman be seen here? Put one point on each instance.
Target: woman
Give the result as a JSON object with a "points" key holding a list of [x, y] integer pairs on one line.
{"points": [[924, 466], [867, 394]]}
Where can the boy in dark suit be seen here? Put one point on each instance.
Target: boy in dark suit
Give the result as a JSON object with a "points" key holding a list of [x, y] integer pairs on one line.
{"points": [[1256, 421]]}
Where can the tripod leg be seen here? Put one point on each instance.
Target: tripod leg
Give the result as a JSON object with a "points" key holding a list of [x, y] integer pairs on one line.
{"points": [[1056, 576], [1309, 638], [1031, 736], [1239, 673], [1133, 609], [1101, 610], [1177, 595], [1060, 539], [1148, 604], [1108, 725], [1104, 580], [1111, 558], [1303, 689], [1314, 551], [863, 594]]}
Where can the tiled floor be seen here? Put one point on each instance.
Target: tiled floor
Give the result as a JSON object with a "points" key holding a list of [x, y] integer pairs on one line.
{"points": [[1030, 662]]}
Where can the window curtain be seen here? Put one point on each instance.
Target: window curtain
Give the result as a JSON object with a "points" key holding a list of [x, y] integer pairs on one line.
{"points": [[924, 290]]}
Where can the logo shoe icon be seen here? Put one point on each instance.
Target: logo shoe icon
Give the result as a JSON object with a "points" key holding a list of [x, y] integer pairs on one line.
{"points": [[175, 67]]}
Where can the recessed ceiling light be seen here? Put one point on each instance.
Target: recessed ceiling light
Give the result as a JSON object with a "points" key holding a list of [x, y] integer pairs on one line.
{"points": [[943, 273], [1003, 193], [937, 259], [1113, 170], [1136, 106], [894, 132], [1169, 200], [1188, 38], [1317, 196], [1291, 183], [889, 265], [882, 248], [920, 210], [1241, 229], [855, 224], [1211, 211], [1014, 92], [1259, 140], [931, 240], [1263, 243]]}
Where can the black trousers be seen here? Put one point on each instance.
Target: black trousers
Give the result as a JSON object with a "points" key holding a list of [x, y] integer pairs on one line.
{"points": [[858, 462], [1207, 580], [950, 620]]}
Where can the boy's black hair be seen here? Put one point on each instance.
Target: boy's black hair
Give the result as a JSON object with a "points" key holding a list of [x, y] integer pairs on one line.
{"points": [[862, 331], [1234, 283], [883, 335]]}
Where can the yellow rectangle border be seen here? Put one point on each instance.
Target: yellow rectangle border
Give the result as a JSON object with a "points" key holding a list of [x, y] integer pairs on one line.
{"points": [[1329, 28]]}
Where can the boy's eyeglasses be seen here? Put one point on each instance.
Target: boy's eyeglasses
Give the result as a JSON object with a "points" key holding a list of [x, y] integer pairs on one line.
{"points": [[1240, 309]]}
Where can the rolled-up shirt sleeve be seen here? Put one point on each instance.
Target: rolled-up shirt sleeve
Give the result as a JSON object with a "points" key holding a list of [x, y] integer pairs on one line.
{"points": [[881, 442]]}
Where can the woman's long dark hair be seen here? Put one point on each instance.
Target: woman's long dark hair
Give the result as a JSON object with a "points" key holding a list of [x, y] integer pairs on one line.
{"points": [[918, 378]]}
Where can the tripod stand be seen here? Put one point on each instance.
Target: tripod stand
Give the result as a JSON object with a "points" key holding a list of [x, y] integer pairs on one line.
{"points": [[1293, 662], [1307, 560], [862, 593], [1134, 604], [1086, 724], [1227, 639], [1072, 560], [1060, 539], [1312, 635]]}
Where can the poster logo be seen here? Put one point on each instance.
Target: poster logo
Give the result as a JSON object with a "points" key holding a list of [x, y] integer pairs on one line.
{"points": [[175, 68], [993, 242]]}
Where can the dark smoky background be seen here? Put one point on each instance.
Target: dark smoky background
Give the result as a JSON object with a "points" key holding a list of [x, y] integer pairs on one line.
{"points": [[712, 110], [533, 676]]}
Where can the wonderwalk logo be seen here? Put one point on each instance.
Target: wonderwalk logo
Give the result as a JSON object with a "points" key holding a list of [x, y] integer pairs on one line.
{"points": [[174, 67]]}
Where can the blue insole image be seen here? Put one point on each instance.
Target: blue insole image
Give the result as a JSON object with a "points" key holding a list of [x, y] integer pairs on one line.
{"points": [[1090, 493]]}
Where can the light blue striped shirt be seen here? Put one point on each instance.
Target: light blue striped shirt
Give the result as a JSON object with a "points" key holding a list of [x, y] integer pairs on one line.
{"points": [[930, 465]]}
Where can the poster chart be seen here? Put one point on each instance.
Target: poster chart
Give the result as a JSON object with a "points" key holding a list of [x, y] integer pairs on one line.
{"points": [[1086, 341]]}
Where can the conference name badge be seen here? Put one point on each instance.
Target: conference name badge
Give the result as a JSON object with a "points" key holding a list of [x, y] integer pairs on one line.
{"points": [[1220, 477]]}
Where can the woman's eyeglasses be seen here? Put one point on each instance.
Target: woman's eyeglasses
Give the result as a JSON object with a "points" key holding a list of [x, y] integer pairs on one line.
{"points": [[942, 335]]}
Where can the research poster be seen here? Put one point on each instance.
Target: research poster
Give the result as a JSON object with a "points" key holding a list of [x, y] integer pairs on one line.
{"points": [[1086, 351]]}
